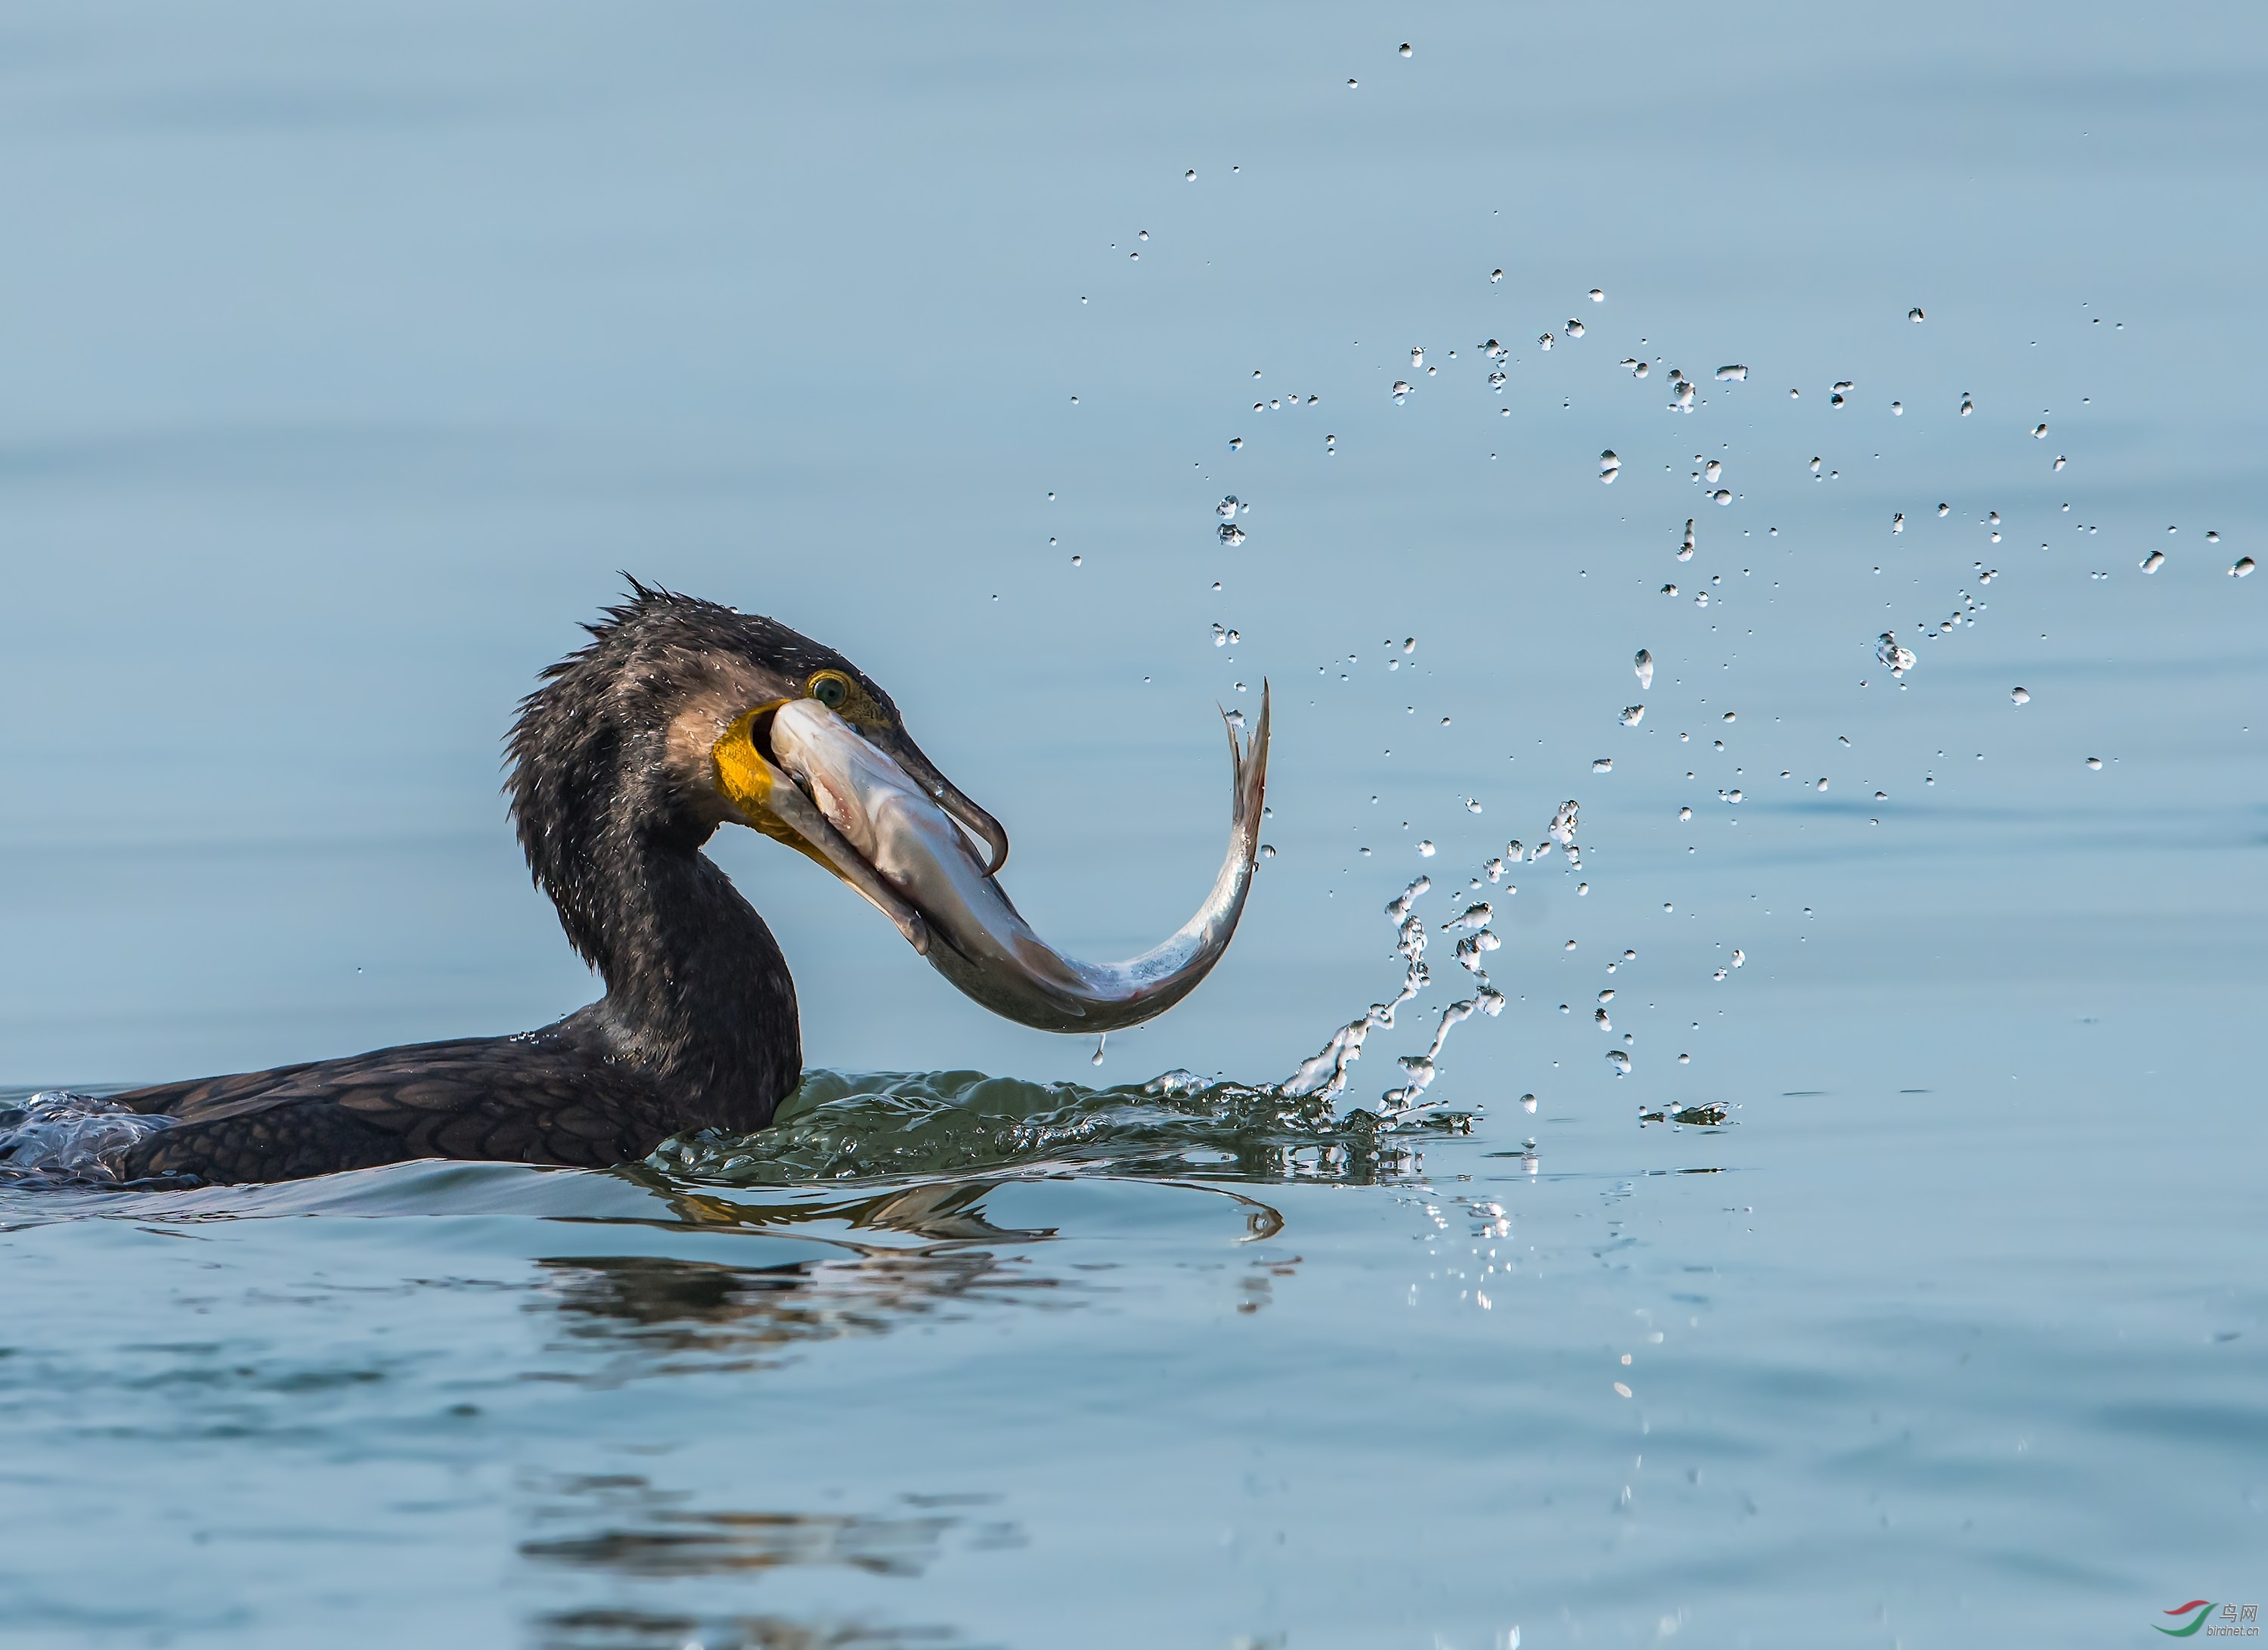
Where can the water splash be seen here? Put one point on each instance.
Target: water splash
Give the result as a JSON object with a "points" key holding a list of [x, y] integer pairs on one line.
{"points": [[841, 1127], [66, 1137]]}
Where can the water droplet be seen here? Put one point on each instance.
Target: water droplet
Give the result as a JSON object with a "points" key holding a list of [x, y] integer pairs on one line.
{"points": [[1574, 329], [1599, 1019], [1496, 275], [1914, 315], [1235, 443], [1099, 1041], [1565, 818], [1475, 916], [2039, 432], [1528, 1102], [1712, 471], [1620, 1062], [1416, 356], [1598, 295], [1815, 467], [2020, 696], [1738, 957], [1669, 590], [1425, 850], [1078, 561], [1472, 805], [1352, 83], [1643, 664], [1401, 391], [1719, 974], [2094, 763], [1967, 406], [2060, 461], [1267, 850], [1227, 508], [2213, 537], [1609, 467], [2242, 568], [1405, 48], [1231, 534], [1685, 549], [1220, 636], [1900, 659], [1190, 176], [1823, 783], [1684, 814], [1632, 715], [1723, 496], [1731, 374], [1603, 764], [1899, 522], [1897, 409]]}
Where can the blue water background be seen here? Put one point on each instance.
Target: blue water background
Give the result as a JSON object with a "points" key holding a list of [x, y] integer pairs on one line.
{"points": [[349, 355]]}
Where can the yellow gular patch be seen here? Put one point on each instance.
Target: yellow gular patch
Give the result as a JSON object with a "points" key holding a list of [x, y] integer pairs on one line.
{"points": [[746, 778]]}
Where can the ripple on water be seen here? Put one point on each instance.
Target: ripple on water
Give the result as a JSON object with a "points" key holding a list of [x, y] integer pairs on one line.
{"points": [[867, 1126], [70, 1138]]}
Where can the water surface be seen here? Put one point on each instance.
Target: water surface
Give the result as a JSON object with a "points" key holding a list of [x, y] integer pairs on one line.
{"points": [[351, 358]]}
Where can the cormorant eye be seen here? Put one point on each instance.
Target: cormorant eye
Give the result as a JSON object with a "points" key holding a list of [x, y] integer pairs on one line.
{"points": [[831, 690]]}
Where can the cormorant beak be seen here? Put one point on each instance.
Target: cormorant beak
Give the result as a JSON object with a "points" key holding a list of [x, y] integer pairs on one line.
{"points": [[877, 813]]}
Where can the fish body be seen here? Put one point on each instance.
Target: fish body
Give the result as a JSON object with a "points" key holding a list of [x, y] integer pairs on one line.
{"points": [[977, 938]]}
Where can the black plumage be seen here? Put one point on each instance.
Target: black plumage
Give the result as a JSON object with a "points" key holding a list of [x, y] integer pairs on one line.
{"points": [[613, 794]]}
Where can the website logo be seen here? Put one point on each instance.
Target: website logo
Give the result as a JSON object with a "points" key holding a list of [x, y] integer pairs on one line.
{"points": [[2214, 1621]]}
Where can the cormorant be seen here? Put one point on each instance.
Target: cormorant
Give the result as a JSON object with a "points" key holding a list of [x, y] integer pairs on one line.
{"points": [[680, 716]]}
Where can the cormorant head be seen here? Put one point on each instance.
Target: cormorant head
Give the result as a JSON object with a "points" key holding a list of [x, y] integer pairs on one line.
{"points": [[659, 729], [680, 716]]}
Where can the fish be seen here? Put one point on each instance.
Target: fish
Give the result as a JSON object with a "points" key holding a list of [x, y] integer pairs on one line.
{"points": [[975, 935]]}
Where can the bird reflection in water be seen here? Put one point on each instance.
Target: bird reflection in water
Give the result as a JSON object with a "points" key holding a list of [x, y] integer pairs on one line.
{"points": [[719, 1315], [622, 1528], [654, 1558]]}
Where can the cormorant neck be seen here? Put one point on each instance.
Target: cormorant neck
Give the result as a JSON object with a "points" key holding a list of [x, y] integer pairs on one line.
{"points": [[697, 990]]}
